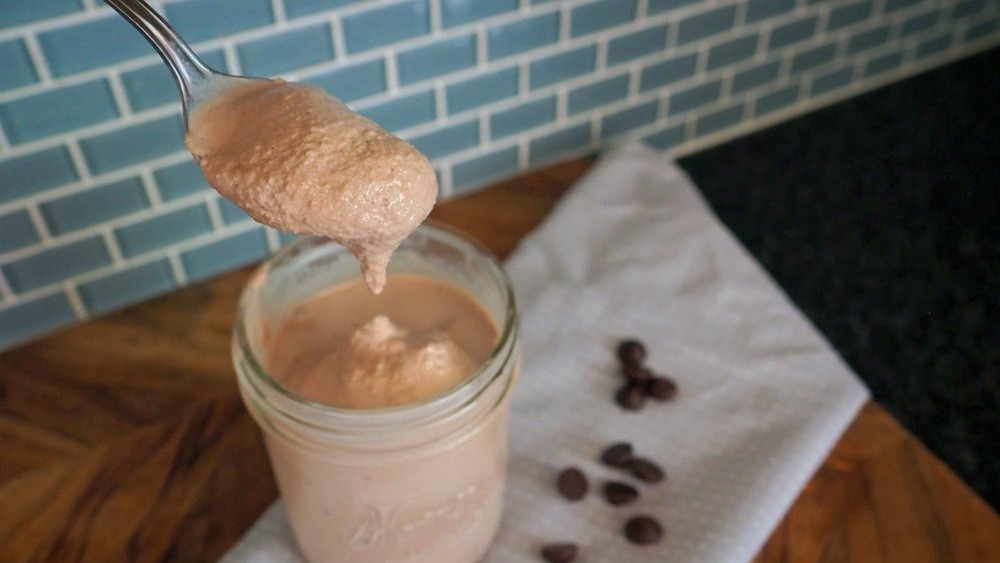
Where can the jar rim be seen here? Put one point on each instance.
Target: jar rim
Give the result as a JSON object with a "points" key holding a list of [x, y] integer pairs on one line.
{"points": [[442, 405]]}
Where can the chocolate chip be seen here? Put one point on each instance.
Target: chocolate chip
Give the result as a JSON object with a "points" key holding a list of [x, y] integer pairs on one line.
{"points": [[643, 530], [636, 374], [572, 483], [559, 552], [645, 470], [617, 493], [617, 455], [661, 388], [631, 397], [631, 352]]}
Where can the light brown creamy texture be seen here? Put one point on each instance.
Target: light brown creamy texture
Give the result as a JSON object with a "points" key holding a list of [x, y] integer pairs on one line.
{"points": [[349, 348], [296, 159]]}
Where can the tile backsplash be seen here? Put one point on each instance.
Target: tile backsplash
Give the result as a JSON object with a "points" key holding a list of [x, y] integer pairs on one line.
{"points": [[101, 206]]}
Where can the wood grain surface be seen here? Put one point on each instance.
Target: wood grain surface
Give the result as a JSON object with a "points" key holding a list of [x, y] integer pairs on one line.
{"points": [[124, 439]]}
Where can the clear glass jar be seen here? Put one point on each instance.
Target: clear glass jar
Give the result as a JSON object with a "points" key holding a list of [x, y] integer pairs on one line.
{"points": [[418, 482]]}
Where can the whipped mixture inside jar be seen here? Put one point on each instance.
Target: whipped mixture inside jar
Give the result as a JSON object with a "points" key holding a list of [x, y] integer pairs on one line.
{"points": [[297, 159]]}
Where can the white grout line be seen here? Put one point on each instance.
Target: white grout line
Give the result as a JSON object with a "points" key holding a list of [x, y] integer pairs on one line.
{"points": [[75, 301], [273, 242], [391, 82], [214, 214], [7, 297], [39, 223], [177, 267], [482, 46], [150, 188], [278, 9], [117, 257], [339, 43], [38, 59], [118, 94], [434, 14], [79, 162]]}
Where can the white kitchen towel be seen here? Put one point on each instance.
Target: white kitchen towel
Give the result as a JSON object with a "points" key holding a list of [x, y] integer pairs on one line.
{"points": [[634, 251]]}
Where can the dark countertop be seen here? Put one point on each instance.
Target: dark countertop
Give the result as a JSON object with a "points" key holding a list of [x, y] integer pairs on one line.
{"points": [[880, 217]]}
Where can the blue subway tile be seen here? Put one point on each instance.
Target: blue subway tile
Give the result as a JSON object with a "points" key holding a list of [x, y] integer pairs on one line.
{"points": [[223, 255], [481, 169], [35, 172], [866, 40], [666, 139], [705, 25], [523, 35], [849, 14], [209, 19], [780, 99], [755, 76], [884, 63], [980, 30], [812, 58], [563, 66], [457, 12], [179, 180], [386, 24], [34, 318], [694, 97], [286, 51], [130, 286], [732, 51], [658, 6], [16, 231], [298, 8], [56, 264], [667, 72], [758, 10], [930, 47], [153, 85], [163, 230], [893, 5], [95, 205], [553, 145], [17, 12], [353, 82], [626, 120], [792, 33], [400, 113], [598, 93], [718, 120], [918, 23], [435, 59], [92, 44], [522, 117], [17, 68], [967, 8], [637, 44], [600, 15], [230, 212], [131, 145], [448, 140], [832, 80], [484, 89], [57, 111]]}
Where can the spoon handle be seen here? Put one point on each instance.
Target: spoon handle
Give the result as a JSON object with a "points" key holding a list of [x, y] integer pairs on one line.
{"points": [[188, 70]]}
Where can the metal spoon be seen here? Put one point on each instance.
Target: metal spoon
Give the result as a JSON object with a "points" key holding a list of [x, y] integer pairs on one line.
{"points": [[197, 82]]}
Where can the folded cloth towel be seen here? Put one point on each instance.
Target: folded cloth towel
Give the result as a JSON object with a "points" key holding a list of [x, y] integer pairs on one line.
{"points": [[633, 250]]}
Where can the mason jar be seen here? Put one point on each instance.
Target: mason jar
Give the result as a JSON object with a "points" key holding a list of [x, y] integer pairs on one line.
{"points": [[417, 482]]}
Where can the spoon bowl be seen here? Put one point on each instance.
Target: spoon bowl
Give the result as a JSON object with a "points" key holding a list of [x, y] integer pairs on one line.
{"points": [[197, 82]]}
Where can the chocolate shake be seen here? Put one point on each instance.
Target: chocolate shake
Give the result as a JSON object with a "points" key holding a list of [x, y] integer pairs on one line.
{"points": [[348, 348], [296, 159], [385, 416]]}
